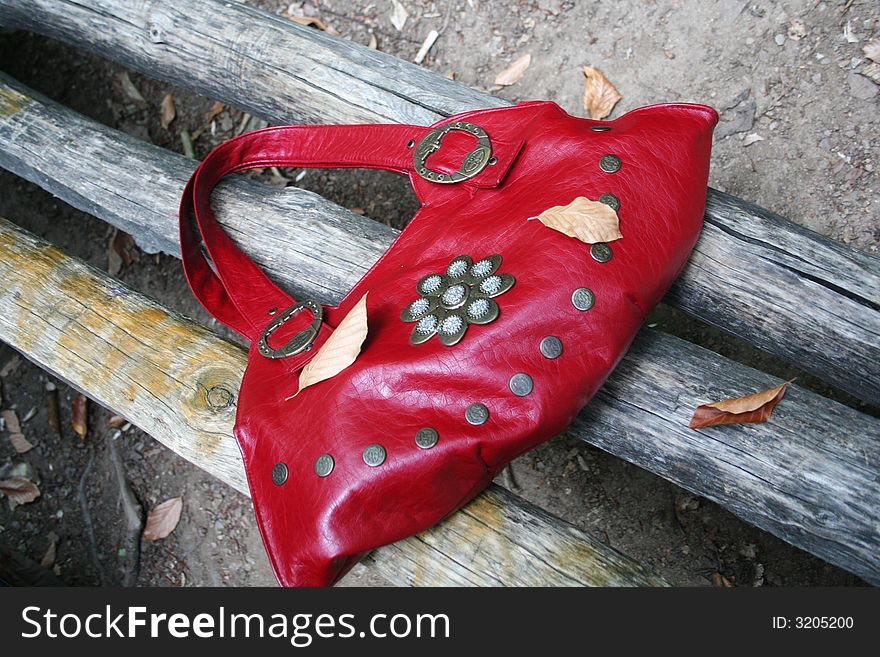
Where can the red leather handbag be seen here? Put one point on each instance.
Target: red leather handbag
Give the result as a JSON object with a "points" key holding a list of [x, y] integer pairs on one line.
{"points": [[487, 333]]}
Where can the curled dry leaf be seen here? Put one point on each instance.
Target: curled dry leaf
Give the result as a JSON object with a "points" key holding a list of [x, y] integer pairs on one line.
{"points": [[374, 42], [583, 219], [340, 350], [214, 112], [168, 111], [309, 21], [754, 408], [515, 72], [600, 96], [48, 559], [18, 488], [16, 437], [872, 50], [79, 413], [162, 519]]}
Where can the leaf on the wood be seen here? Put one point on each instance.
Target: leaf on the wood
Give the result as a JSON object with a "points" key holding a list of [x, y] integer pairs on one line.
{"points": [[340, 350], [398, 15], [309, 21], [374, 42], [168, 111], [48, 559], [600, 96], [721, 581], [754, 408], [79, 414], [513, 73], [129, 91], [583, 219], [162, 519], [52, 407], [872, 50], [18, 489]]}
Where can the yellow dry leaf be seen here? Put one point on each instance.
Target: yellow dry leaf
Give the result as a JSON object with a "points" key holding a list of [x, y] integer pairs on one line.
{"points": [[513, 73], [583, 219], [340, 350], [600, 96], [168, 111]]}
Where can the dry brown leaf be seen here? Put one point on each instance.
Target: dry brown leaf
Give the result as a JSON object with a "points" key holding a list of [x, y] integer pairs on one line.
{"points": [[19, 490], [340, 350], [721, 581], [872, 50], [600, 96], [79, 414], [48, 559], [116, 421], [583, 219], [10, 419], [10, 366], [20, 443], [214, 112], [162, 519], [168, 111], [374, 42], [309, 21], [754, 408], [515, 72]]}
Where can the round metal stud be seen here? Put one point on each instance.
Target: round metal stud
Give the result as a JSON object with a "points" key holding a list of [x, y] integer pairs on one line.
{"points": [[427, 437], [476, 414], [601, 252], [611, 201], [279, 473], [273, 310], [521, 384], [600, 128], [374, 455], [609, 163], [551, 347], [583, 298], [324, 465]]}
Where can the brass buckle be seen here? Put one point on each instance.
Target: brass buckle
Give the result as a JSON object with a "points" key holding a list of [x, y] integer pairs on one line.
{"points": [[299, 342], [471, 165]]}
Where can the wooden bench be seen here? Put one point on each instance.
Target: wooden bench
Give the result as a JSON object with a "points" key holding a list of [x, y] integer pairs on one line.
{"points": [[810, 476]]}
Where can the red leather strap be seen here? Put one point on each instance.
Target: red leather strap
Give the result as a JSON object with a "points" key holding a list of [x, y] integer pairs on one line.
{"points": [[226, 281]]}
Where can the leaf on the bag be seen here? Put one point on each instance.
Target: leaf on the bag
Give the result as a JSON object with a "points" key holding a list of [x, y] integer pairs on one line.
{"points": [[79, 413], [340, 350], [18, 489], [513, 73], [398, 15], [583, 219], [600, 96], [872, 50], [162, 519], [754, 408], [168, 111]]}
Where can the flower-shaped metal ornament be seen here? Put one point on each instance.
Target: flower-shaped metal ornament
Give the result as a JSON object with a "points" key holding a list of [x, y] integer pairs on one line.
{"points": [[450, 302]]}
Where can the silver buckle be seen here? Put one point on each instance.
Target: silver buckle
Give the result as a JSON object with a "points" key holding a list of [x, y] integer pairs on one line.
{"points": [[299, 342]]}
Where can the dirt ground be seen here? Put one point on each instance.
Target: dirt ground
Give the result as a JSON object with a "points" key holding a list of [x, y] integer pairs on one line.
{"points": [[799, 135]]}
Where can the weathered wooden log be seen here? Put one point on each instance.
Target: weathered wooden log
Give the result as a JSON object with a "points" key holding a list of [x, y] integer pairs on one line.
{"points": [[810, 476], [163, 372], [778, 286]]}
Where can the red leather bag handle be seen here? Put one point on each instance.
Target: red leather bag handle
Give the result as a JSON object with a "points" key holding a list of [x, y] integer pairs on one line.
{"points": [[235, 290], [227, 282]]}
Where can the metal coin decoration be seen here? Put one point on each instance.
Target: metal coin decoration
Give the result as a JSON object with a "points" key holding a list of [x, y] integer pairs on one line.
{"points": [[450, 302]]}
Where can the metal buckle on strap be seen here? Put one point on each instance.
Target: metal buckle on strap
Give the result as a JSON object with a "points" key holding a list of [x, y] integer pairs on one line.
{"points": [[471, 165], [299, 342]]}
